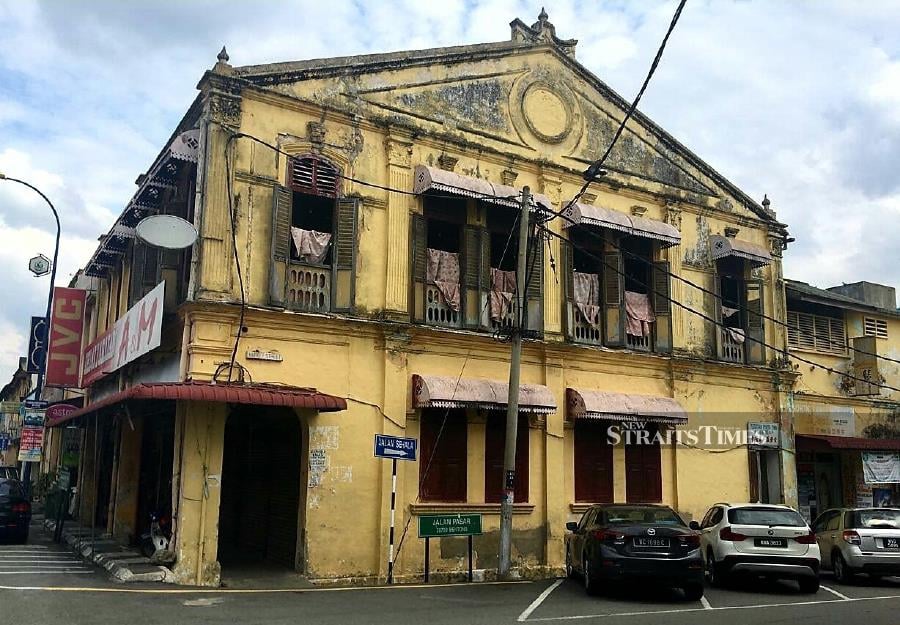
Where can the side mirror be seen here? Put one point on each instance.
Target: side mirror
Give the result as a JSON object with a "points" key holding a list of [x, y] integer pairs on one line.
{"points": [[571, 526], [694, 525]]}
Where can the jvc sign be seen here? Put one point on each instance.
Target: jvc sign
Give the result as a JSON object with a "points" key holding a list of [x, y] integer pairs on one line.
{"points": [[395, 447]]}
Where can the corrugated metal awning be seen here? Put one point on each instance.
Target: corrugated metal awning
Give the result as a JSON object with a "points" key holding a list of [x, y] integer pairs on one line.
{"points": [[232, 393], [584, 404], [721, 247], [629, 224], [434, 391], [431, 178], [851, 442]]}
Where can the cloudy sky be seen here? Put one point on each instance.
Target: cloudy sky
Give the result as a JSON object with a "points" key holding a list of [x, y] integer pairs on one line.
{"points": [[799, 100]]}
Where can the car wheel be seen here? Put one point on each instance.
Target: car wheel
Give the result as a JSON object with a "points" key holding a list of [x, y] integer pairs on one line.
{"points": [[809, 585], [693, 592], [713, 571], [842, 572], [570, 570], [590, 584]]}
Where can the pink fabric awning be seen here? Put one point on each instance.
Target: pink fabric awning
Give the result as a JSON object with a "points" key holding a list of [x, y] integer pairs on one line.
{"points": [[608, 406], [435, 391], [432, 178], [721, 247], [601, 217]]}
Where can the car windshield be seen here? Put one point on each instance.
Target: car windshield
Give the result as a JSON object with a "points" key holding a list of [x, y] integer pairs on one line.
{"points": [[8, 488], [765, 516], [638, 514], [875, 519]]}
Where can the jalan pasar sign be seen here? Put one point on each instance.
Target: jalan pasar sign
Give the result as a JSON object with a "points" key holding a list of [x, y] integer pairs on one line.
{"points": [[137, 332]]}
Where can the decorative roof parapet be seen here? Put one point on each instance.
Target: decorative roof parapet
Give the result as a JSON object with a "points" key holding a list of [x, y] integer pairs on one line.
{"points": [[542, 31]]}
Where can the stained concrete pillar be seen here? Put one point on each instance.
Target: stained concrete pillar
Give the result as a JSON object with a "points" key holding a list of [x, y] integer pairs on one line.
{"points": [[197, 472], [125, 510]]}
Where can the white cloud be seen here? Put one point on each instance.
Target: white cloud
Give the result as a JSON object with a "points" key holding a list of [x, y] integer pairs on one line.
{"points": [[797, 100]]}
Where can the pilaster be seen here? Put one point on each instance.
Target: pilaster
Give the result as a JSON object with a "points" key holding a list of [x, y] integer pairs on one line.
{"points": [[551, 186], [398, 147], [676, 287]]}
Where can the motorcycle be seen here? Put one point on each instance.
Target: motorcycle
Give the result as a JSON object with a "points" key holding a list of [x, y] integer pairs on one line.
{"points": [[157, 539]]}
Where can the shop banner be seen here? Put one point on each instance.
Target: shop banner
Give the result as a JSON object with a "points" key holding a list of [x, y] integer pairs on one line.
{"points": [[139, 331], [66, 326], [881, 468], [31, 444]]}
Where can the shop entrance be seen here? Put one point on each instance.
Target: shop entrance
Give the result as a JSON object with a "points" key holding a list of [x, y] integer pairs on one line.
{"points": [[155, 477], [259, 514]]}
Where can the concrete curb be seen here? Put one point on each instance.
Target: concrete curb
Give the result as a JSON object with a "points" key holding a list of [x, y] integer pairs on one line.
{"points": [[119, 561]]}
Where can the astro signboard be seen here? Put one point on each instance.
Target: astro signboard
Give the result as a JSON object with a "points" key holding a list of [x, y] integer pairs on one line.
{"points": [[139, 331]]}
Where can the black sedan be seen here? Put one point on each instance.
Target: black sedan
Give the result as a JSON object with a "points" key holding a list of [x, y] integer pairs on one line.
{"points": [[15, 511], [616, 542]]}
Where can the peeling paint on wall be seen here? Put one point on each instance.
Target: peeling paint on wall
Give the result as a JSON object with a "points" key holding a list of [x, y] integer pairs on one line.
{"points": [[698, 256], [324, 437]]}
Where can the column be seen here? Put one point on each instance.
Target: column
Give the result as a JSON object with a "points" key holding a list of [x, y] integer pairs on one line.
{"points": [[124, 521], [551, 186], [398, 147], [676, 287], [197, 474]]}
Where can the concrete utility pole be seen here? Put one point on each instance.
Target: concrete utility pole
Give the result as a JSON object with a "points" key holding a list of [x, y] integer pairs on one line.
{"points": [[512, 409]]}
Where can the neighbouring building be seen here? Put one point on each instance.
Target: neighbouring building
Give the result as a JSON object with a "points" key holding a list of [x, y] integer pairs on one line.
{"points": [[11, 396], [842, 420], [370, 202]]}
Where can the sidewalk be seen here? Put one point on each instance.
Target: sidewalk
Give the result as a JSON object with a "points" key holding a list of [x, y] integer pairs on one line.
{"points": [[123, 563]]}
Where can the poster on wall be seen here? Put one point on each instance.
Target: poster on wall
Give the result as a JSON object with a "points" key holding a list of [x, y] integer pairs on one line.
{"points": [[882, 498], [881, 468], [864, 495]]}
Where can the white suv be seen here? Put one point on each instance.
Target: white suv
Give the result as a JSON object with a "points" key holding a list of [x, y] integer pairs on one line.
{"points": [[759, 539]]}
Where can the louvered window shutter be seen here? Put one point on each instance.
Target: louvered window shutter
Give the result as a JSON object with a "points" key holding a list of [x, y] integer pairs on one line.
{"points": [[534, 291], [314, 175], [418, 242], [567, 265], [344, 269], [613, 300], [282, 209], [662, 307], [484, 285], [471, 278], [755, 328], [717, 327], [136, 290]]}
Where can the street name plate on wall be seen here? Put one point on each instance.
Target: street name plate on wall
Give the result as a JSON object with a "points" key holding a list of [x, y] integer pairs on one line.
{"points": [[259, 354]]}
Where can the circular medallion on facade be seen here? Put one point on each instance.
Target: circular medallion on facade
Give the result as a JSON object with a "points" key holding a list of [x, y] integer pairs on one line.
{"points": [[548, 116]]}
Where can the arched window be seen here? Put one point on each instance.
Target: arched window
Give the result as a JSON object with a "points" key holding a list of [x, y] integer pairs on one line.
{"points": [[314, 175]]}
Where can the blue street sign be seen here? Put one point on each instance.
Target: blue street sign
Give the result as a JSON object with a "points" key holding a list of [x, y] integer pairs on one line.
{"points": [[395, 447]]}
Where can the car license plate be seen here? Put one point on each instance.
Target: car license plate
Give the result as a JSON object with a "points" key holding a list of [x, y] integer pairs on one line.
{"points": [[770, 542], [892, 543], [651, 542]]}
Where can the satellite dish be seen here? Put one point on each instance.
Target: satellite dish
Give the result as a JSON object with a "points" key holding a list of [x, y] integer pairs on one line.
{"points": [[166, 231]]}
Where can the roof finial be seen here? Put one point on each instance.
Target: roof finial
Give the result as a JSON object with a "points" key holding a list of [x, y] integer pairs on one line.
{"points": [[223, 55], [542, 16], [766, 201]]}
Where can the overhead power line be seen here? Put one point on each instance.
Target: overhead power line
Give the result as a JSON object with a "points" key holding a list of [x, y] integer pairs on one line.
{"points": [[596, 235], [596, 168], [717, 323]]}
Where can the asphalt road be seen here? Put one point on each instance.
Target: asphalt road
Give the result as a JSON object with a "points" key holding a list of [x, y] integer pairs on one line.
{"points": [[43, 584]]}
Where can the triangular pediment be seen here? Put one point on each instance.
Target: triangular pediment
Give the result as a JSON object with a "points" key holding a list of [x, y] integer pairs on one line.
{"points": [[529, 100]]}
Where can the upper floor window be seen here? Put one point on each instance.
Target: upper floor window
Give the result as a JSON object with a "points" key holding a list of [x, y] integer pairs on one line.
{"points": [[816, 333], [616, 293], [313, 239], [739, 310], [463, 263], [875, 327]]}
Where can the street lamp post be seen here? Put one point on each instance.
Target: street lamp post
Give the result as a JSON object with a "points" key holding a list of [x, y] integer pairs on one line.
{"points": [[26, 470]]}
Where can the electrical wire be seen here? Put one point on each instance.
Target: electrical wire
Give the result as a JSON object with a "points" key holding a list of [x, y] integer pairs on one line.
{"points": [[596, 168], [715, 322], [592, 232]]}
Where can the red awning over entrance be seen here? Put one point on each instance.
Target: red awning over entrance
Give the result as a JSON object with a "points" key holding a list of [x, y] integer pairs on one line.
{"points": [[255, 394], [849, 442]]}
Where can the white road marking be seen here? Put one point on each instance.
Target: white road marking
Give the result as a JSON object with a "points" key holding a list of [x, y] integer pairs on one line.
{"points": [[540, 599], [51, 572], [705, 603], [835, 593], [579, 617]]}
